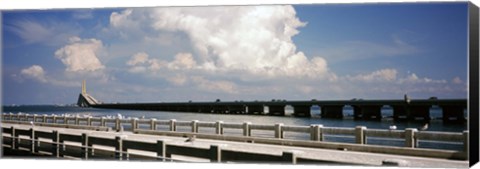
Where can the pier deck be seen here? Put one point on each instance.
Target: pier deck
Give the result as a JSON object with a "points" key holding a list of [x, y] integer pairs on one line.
{"points": [[328, 156]]}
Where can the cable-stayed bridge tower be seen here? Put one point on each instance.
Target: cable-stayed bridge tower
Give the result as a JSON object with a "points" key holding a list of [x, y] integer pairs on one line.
{"points": [[84, 99]]}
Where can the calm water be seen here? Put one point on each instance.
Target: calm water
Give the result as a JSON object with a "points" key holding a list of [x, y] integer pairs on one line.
{"points": [[435, 125]]}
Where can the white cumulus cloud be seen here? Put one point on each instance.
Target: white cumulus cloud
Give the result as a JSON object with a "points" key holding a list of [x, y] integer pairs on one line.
{"points": [[255, 39], [457, 80], [80, 55], [215, 85], [141, 62], [138, 58], [379, 75], [35, 72], [182, 61]]}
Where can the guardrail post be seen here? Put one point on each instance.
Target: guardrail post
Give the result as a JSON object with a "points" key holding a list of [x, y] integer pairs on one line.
{"points": [[89, 121], [102, 122], [410, 139], [85, 148], [316, 133], [17, 138], [118, 148], [173, 126], [153, 124], [35, 117], [465, 142], [134, 124], [289, 157], [37, 143], [32, 140], [360, 135], [14, 138], [219, 127], [77, 121], [125, 155], [278, 130], [44, 118], [90, 150], [215, 153], [194, 126], [65, 120], [61, 148], [117, 124], [55, 145], [161, 150], [54, 119], [246, 129]]}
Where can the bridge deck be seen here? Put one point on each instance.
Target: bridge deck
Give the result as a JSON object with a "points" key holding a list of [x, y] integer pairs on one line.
{"points": [[334, 156]]}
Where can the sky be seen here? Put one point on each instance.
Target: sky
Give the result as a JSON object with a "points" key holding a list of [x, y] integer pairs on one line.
{"points": [[263, 52]]}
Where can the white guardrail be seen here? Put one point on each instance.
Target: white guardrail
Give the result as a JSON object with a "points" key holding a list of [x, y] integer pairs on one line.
{"points": [[410, 136]]}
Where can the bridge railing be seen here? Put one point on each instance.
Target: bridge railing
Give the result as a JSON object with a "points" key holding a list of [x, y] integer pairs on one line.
{"points": [[84, 146], [316, 132]]}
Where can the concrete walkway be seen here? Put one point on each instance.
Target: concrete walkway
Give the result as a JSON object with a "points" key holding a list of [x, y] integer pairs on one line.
{"points": [[334, 156]]}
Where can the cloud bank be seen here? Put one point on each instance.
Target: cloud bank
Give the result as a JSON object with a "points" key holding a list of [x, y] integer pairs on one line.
{"points": [[252, 39], [81, 55], [35, 72]]}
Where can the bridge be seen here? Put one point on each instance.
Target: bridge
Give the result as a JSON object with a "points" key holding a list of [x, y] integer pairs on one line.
{"points": [[76, 137], [403, 110]]}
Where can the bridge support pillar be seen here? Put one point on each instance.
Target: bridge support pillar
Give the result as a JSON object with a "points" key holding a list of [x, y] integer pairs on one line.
{"points": [[192, 108], [452, 114], [220, 109], [418, 111], [255, 109], [400, 112], [332, 111], [236, 109], [205, 109], [276, 110], [367, 112], [411, 112], [301, 110]]}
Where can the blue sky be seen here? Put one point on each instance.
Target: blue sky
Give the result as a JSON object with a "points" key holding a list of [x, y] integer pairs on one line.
{"points": [[300, 52]]}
